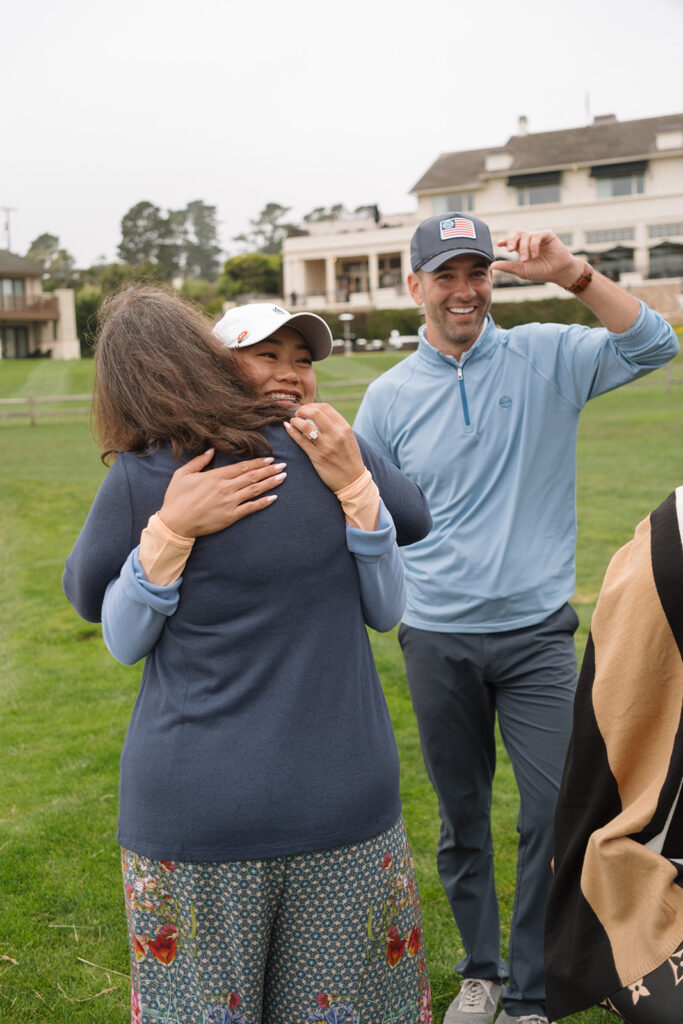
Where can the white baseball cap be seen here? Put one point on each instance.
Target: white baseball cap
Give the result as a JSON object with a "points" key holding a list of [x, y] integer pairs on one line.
{"points": [[247, 325]]}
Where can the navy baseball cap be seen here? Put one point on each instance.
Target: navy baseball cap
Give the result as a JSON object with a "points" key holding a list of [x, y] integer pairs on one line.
{"points": [[439, 238]]}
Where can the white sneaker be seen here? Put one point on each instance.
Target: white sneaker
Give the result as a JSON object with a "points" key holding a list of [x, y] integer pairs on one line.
{"points": [[475, 1003], [529, 1018]]}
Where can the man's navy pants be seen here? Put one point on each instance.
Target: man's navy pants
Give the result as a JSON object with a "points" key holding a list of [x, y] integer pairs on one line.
{"points": [[458, 683]]}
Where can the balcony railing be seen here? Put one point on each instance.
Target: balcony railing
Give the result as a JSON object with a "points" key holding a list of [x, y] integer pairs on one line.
{"points": [[28, 307]]}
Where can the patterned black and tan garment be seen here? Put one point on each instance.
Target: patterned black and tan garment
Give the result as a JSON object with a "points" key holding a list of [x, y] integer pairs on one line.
{"points": [[615, 912]]}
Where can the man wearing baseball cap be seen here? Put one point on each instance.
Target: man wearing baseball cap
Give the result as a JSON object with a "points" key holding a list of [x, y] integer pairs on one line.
{"points": [[485, 421]]}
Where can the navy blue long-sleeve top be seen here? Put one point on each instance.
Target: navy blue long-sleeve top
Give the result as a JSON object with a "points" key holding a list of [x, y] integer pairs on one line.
{"points": [[260, 728]]}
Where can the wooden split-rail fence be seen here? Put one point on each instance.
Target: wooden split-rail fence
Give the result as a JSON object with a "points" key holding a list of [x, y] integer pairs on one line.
{"points": [[31, 406]]}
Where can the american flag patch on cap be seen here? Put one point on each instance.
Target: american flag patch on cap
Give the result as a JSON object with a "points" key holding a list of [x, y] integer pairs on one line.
{"points": [[457, 227]]}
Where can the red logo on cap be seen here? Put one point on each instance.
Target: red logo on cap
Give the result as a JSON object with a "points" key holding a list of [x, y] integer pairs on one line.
{"points": [[242, 336]]}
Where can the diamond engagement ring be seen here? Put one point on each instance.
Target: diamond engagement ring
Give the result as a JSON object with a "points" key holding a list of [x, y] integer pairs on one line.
{"points": [[313, 434]]}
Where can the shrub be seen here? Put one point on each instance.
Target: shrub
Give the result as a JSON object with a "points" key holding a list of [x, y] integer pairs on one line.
{"points": [[87, 301], [544, 311], [378, 323]]}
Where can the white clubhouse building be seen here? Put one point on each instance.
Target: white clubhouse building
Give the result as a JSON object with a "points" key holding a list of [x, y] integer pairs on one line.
{"points": [[611, 190]]}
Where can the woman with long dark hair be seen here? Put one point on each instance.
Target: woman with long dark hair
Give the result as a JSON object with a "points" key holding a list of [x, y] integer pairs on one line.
{"points": [[267, 871]]}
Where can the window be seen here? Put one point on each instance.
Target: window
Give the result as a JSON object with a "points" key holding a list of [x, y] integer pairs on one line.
{"points": [[535, 195], [14, 342], [610, 235], [390, 263], [389, 271], [565, 237], [664, 230], [614, 262], [463, 202], [12, 286], [666, 260], [621, 185], [537, 188], [11, 293], [625, 179], [353, 277], [669, 140]]}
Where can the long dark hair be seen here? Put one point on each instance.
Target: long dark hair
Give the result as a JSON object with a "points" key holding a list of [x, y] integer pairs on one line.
{"points": [[162, 377]]}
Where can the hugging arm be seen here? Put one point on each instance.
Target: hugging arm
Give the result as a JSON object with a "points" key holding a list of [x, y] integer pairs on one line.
{"points": [[135, 611], [133, 602], [146, 592], [380, 572], [195, 503]]}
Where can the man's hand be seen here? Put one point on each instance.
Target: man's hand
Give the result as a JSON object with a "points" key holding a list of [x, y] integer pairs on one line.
{"points": [[542, 257], [196, 503]]}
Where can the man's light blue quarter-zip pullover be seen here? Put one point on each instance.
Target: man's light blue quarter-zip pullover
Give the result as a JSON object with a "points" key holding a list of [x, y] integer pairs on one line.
{"points": [[491, 440]]}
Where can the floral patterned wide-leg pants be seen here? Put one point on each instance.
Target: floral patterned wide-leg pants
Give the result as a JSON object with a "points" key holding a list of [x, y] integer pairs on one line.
{"points": [[333, 937]]}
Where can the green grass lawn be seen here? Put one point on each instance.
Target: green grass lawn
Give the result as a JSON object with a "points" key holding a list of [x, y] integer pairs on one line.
{"points": [[66, 702]]}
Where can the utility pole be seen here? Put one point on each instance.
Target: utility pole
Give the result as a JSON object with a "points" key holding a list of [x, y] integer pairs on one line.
{"points": [[7, 210]]}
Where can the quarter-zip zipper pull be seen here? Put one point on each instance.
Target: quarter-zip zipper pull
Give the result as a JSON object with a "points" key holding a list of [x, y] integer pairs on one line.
{"points": [[463, 397]]}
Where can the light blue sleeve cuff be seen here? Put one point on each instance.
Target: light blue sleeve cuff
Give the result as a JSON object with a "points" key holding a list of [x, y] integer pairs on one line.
{"points": [[637, 324], [373, 542], [380, 572], [134, 611], [650, 336]]}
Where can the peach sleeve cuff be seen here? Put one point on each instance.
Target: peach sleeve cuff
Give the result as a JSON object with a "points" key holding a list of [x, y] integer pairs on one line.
{"points": [[360, 502], [163, 553]]}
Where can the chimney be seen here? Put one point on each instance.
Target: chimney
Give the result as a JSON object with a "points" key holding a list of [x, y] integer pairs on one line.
{"points": [[523, 125], [604, 119]]}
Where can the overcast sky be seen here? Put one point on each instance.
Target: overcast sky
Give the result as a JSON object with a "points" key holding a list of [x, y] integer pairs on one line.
{"points": [[305, 103]]}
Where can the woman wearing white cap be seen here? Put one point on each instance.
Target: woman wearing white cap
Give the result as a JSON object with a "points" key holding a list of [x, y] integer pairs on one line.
{"points": [[267, 872]]}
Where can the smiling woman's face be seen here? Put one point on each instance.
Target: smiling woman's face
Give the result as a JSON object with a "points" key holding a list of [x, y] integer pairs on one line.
{"points": [[281, 368]]}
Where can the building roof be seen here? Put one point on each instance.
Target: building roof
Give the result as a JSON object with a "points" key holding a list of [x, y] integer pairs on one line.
{"points": [[11, 264], [607, 140]]}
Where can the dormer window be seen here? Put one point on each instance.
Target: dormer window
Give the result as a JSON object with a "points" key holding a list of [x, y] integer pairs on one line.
{"points": [[615, 180], [537, 189], [669, 140], [621, 185], [498, 161], [463, 202]]}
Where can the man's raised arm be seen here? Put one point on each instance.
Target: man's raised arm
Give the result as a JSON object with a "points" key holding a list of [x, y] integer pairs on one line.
{"points": [[543, 257]]}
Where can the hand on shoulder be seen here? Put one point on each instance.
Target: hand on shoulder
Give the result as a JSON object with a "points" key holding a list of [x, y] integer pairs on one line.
{"points": [[199, 501], [330, 444]]}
